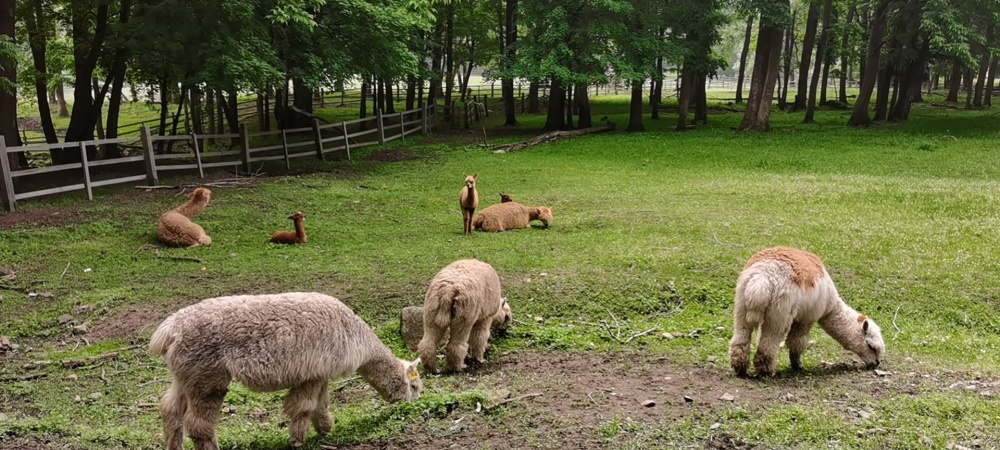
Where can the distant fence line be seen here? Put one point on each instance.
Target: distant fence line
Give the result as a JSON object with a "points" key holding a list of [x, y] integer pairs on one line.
{"points": [[342, 137]]}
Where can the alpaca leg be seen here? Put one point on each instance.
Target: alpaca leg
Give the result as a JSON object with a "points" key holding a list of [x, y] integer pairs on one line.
{"points": [[797, 340], [773, 330], [321, 419], [478, 338], [202, 412], [427, 348], [172, 407], [300, 406], [739, 345], [458, 346]]}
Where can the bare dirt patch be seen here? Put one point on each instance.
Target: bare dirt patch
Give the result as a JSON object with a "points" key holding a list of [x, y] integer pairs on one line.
{"points": [[132, 321], [47, 217], [391, 156]]}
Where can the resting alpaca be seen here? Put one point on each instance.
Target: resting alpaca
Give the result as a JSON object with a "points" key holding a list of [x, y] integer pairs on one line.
{"points": [[289, 237], [411, 324], [511, 216], [468, 200], [175, 227], [784, 291], [295, 341], [505, 198], [464, 296]]}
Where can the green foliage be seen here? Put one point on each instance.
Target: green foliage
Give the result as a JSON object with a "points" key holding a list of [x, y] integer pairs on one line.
{"points": [[8, 55]]}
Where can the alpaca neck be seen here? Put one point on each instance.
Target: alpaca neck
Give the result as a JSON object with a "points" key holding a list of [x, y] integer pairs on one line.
{"points": [[471, 198], [190, 209], [382, 366], [533, 213], [300, 231], [842, 325]]}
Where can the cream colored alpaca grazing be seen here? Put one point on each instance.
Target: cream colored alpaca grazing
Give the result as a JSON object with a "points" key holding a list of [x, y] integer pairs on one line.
{"points": [[462, 300], [511, 216], [784, 291], [175, 227], [295, 341], [468, 200]]}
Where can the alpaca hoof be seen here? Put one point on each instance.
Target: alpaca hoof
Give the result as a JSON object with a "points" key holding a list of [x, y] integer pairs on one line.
{"points": [[741, 371]]}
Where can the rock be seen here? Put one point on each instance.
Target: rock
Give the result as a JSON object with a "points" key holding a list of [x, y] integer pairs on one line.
{"points": [[539, 319], [229, 410], [77, 399], [71, 377], [64, 319], [986, 393], [727, 397], [46, 295], [649, 403], [688, 399], [4, 344], [95, 396], [882, 373], [668, 336], [711, 359], [80, 329], [720, 328], [499, 152], [411, 326], [789, 397], [3, 417], [694, 333], [82, 309], [543, 274], [715, 426], [257, 411]]}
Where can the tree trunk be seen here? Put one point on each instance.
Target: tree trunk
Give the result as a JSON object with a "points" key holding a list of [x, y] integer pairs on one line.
{"points": [[267, 108], [583, 107], [968, 86], [860, 117], [765, 71], [820, 57], [556, 117], [117, 84], [955, 83], [684, 98], [533, 103], [210, 109], [61, 100], [844, 46], [990, 77], [635, 108], [302, 97], [569, 106], [449, 54], [787, 74], [411, 91], [37, 42], [985, 59], [437, 54], [809, 41], [87, 49], [700, 100], [363, 112], [98, 123], [743, 59], [232, 114], [198, 111], [510, 51], [882, 96], [164, 86], [8, 100]]}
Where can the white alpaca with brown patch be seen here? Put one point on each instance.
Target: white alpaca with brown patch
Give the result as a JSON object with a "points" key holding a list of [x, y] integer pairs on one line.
{"points": [[468, 200], [784, 291], [295, 341], [462, 301]]}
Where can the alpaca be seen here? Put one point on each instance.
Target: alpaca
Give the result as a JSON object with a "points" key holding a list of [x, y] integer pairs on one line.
{"points": [[462, 300], [510, 216], [175, 227], [411, 325], [296, 341], [505, 198], [784, 291], [288, 237], [468, 200]]}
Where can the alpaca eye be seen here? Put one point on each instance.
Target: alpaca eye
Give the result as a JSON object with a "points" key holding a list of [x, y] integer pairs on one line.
{"points": [[871, 347]]}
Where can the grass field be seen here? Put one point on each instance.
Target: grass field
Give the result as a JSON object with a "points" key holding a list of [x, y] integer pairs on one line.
{"points": [[650, 231]]}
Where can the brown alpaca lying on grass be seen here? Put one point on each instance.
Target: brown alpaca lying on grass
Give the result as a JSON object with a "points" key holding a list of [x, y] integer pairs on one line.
{"points": [[511, 216], [175, 227], [292, 237], [468, 200]]}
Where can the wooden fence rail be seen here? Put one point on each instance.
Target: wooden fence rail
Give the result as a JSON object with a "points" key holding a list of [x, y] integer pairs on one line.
{"points": [[317, 140]]}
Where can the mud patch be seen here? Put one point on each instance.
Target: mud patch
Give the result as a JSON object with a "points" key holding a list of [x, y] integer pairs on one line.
{"points": [[391, 156], [726, 442], [46, 217], [132, 321]]}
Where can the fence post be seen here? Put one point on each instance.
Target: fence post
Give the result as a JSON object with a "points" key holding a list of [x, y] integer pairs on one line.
{"points": [[7, 187], [347, 141], [197, 155], [245, 144], [402, 125], [86, 170], [378, 123], [319, 140], [284, 146], [148, 155]]}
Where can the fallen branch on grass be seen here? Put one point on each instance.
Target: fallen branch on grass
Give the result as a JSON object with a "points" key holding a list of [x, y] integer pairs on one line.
{"points": [[25, 377], [551, 137], [617, 334], [509, 400], [244, 181], [74, 363]]}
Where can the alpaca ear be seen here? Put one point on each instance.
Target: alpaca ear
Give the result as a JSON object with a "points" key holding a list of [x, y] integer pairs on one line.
{"points": [[416, 362], [864, 326], [474, 176]]}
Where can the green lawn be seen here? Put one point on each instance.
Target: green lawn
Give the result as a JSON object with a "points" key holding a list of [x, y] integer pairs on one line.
{"points": [[650, 229]]}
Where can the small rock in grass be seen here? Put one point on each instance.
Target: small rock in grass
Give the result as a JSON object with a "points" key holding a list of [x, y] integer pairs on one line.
{"points": [[667, 336], [720, 328], [882, 373], [688, 399], [715, 426], [4, 344], [789, 397], [64, 319], [539, 319], [694, 333], [82, 309], [95, 396], [80, 329], [727, 397], [77, 399], [3, 417], [711, 359], [71, 377]]}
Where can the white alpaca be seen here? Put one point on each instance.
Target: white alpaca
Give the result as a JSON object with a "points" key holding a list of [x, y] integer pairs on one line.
{"points": [[784, 291], [462, 301], [295, 341]]}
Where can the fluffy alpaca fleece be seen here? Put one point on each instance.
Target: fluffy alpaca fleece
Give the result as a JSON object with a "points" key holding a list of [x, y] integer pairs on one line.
{"points": [[511, 216], [468, 200], [505, 198], [411, 325], [784, 291], [292, 237], [462, 300], [175, 227], [295, 341]]}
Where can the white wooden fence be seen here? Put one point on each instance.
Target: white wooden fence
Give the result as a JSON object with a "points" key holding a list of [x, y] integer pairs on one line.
{"points": [[295, 143]]}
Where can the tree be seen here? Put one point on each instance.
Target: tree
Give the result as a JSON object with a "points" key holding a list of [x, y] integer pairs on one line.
{"points": [[821, 50], [743, 58], [8, 78], [859, 116], [774, 18], [807, 49]]}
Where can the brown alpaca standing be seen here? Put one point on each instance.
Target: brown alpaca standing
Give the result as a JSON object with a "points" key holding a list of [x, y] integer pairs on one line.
{"points": [[296, 237], [468, 200], [175, 227], [505, 198]]}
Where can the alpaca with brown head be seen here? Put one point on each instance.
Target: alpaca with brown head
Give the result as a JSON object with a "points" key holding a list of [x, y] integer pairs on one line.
{"points": [[468, 200], [505, 198], [292, 237], [175, 227]]}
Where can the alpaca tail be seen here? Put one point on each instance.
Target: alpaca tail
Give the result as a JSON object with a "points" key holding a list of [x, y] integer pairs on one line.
{"points": [[755, 292], [163, 337], [443, 310]]}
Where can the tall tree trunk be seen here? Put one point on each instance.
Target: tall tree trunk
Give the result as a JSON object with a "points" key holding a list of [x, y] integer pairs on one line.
{"points": [[198, 110], [87, 49], [533, 103], [860, 116], [231, 111], [882, 96], [37, 42], [8, 100], [61, 100], [845, 44], [98, 123], [569, 106], [809, 41], [411, 91], [820, 57], [656, 97], [556, 116], [267, 108], [437, 55], [635, 108], [210, 109], [117, 84], [684, 98], [743, 58], [787, 74], [985, 59], [164, 87], [363, 112], [990, 77], [510, 51], [700, 100], [449, 54], [583, 107], [765, 71], [302, 98]]}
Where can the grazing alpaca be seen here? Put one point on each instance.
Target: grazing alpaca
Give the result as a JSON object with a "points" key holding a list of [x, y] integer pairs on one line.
{"points": [[411, 325], [511, 216], [175, 227], [784, 291], [289, 237], [296, 341], [462, 300], [505, 198], [468, 200]]}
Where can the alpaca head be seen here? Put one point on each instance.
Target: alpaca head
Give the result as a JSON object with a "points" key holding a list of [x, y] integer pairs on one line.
{"points": [[504, 198], [873, 351], [470, 181], [502, 318], [542, 213], [201, 195], [298, 216], [404, 385]]}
